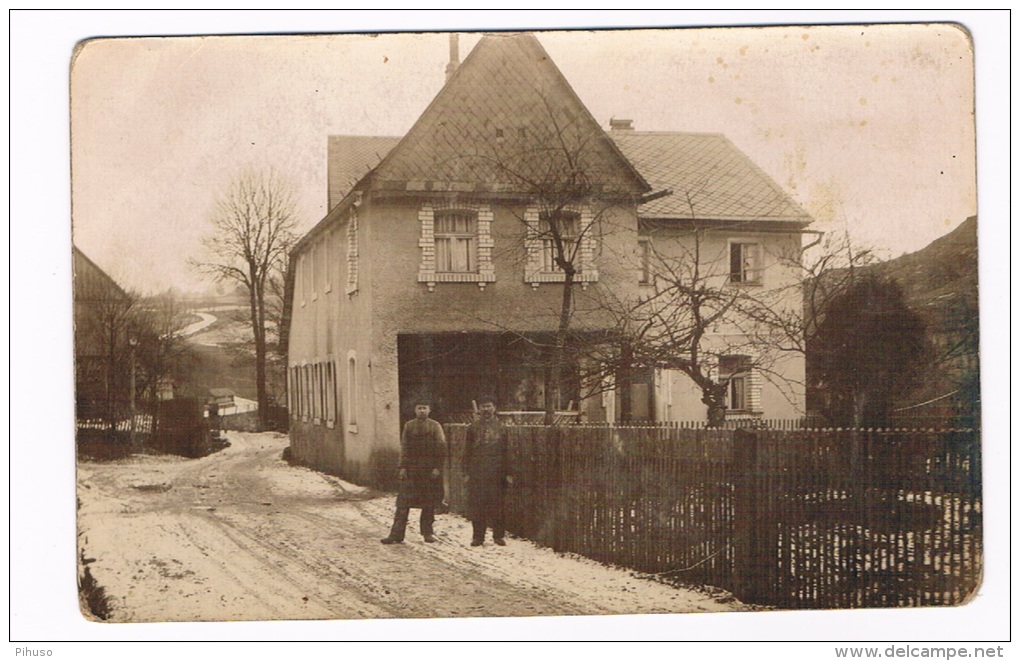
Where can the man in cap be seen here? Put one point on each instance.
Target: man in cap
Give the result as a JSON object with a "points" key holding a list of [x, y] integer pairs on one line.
{"points": [[487, 473], [422, 456]]}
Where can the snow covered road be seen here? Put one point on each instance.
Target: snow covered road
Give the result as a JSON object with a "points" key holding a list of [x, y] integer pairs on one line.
{"points": [[242, 535]]}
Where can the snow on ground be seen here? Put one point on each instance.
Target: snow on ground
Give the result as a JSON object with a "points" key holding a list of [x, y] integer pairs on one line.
{"points": [[243, 535], [228, 332], [205, 320]]}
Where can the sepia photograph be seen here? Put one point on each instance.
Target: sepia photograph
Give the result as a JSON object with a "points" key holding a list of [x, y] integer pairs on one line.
{"points": [[525, 323]]}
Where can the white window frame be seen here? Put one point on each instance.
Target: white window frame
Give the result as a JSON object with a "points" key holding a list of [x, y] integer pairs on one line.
{"points": [[750, 382], [569, 240], [484, 271], [451, 241], [305, 393], [330, 392], [317, 394], [753, 276], [292, 405], [535, 272], [352, 392]]}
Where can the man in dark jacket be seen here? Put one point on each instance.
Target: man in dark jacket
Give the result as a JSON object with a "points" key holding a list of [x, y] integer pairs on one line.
{"points": [[422, 456], [487, 473]]}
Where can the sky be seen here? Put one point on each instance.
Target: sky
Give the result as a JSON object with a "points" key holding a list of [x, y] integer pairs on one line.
{"points": [[151, 171], [869, 128]]}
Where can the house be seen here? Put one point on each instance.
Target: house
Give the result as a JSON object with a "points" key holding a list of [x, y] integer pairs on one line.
{"points": [[220, 401], [747, 234], [435, 273]]}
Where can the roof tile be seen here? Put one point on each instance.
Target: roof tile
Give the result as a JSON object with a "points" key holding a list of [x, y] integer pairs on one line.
{"points": [[710, 177]]}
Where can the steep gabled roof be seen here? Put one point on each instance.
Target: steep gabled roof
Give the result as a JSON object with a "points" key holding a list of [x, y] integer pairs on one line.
{"points": [[92, 282], [351, 157], [723, 183], [506, 116]]}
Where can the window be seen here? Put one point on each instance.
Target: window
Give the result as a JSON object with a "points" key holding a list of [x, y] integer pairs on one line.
{"points": [[304, 277], [745, 263], [292, 392], [352, 393], [575, 229], [316, 393], [456, 243], [330, 395], [735, 372], [562, 225], [305, 392], [456, 236]]}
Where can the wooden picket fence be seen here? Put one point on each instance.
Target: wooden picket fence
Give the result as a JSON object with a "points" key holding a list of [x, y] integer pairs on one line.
{"points": [[791, 518]]}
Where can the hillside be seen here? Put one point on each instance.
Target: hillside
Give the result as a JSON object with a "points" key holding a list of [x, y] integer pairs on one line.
{"points": [[940, 280], [940, 283], [225, 356]]}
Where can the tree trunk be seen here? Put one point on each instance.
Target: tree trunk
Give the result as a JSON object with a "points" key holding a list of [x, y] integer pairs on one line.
{"points": [[625, 382], [714, 397], [258, 330], [554, 366]]}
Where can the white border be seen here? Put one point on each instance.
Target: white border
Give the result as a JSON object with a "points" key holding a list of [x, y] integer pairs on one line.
{"points": [[42, 578]]}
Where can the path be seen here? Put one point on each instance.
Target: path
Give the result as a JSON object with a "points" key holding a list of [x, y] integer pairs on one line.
{"points": [[243, 535]]}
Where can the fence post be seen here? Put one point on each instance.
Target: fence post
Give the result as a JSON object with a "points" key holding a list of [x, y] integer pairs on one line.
{"points": [[554, 475], [754, 521]]}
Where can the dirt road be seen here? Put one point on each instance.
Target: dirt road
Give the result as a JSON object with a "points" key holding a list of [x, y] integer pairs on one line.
{"points": [[242, 535]]}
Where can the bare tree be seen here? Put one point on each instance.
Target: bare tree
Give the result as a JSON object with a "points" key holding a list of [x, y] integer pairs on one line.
{"points": [[559, 170], [103, 322], [163, 355], [695, 316], [253, 229]]}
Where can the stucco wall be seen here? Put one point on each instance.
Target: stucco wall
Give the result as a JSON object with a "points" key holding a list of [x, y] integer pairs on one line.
{"points": [[334, 325], [390, 300], [403, 305], [782, 394]]}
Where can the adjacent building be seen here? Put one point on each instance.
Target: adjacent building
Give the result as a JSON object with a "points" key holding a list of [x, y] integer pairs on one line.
{"points": [[101, 316]]}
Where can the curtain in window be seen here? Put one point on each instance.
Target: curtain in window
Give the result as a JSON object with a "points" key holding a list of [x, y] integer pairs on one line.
{"points": [[735, 371], [456, 239]]}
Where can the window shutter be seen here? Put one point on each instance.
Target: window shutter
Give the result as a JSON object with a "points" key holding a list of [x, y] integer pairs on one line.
{"points": [[352, 252]]}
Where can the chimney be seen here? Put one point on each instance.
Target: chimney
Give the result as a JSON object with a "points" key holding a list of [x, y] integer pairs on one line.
{"points": [[454, 56], [621, 124]]}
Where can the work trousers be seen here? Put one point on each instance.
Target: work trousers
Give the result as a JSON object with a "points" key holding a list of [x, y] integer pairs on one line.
{"points": [[478, 527], [428, 517]]}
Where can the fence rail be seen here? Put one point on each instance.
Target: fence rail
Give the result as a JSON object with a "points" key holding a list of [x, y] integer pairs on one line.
{"points": [[793, 518]]}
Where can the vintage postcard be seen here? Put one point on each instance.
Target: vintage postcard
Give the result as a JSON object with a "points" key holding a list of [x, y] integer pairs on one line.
{"points": [[511, 324]]}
